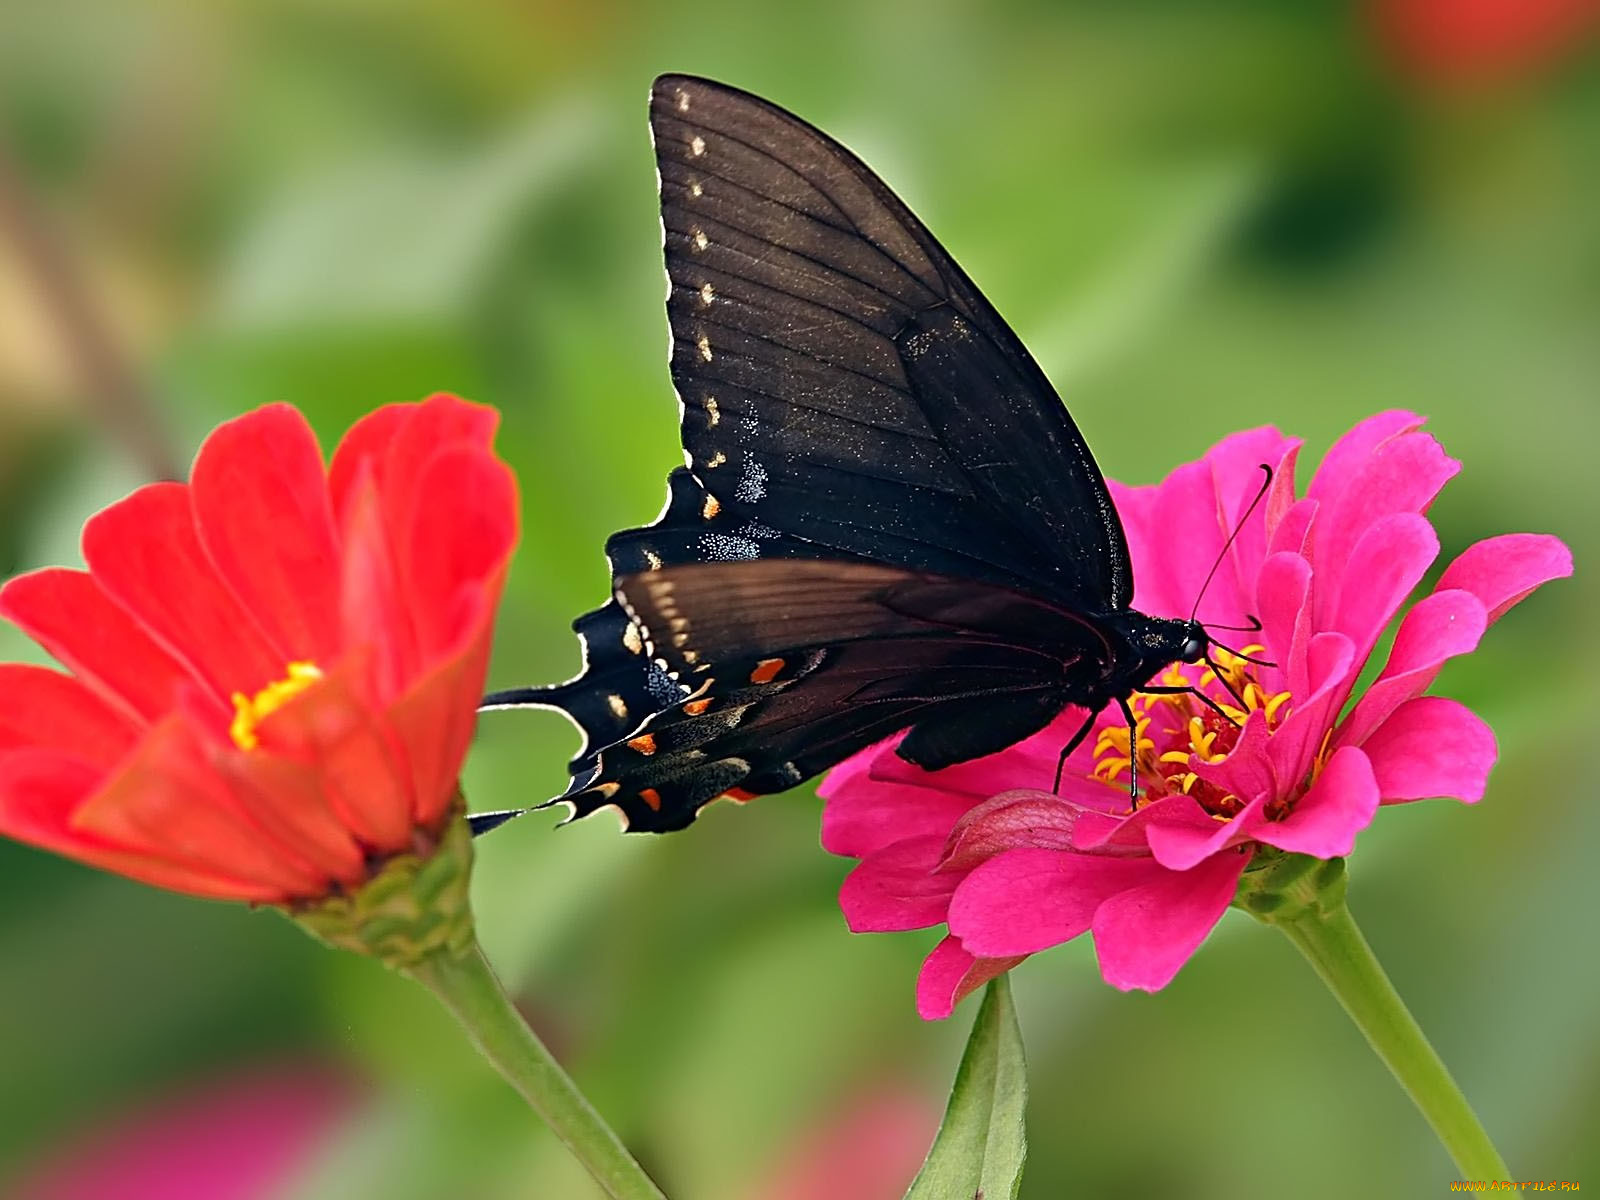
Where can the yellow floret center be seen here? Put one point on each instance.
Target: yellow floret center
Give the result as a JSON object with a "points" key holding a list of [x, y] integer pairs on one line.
{"points": [[250, 711], [1188, 731]]}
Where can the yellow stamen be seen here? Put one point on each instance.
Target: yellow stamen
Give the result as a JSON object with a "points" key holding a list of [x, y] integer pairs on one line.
{"points": [[250, 711]]}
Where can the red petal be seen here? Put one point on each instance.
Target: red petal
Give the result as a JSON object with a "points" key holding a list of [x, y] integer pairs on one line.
{"points": [[171, 804], [41, 790], [360, 767], [374, 611], [261, 501], [145, 552], [68, 614], [434, 722], [44, 708], [458, 528], [397, 440]]}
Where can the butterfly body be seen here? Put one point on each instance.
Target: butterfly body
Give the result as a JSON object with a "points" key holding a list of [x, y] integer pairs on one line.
{"points": [[886, 521]]}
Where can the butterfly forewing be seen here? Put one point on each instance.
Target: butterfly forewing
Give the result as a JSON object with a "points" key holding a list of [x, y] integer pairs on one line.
{"points": [[815, 323]]}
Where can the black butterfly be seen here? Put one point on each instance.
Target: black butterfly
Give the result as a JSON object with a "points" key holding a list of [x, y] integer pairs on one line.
{"points": [[887, 519]]}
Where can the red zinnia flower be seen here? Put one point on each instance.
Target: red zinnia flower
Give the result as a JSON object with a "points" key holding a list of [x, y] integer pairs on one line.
{"points": [[1481, 41], [274, 667], [1302, 765]]}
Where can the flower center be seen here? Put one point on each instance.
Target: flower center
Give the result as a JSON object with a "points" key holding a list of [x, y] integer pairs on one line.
{"points": [[250, 711], [1174, 731]]}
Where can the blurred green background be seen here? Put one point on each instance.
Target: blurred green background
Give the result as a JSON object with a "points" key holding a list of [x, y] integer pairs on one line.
{"points": [[1199, 216]]}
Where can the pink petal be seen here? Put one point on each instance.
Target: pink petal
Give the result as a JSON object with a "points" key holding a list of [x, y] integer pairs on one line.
{"points": [[861, 815], [898, 887], [1329, 670], [1236, 479], [1012, 820], [1439, 627], [1402, 476], [950, 974], [1281, 496], [1247, 772], [1339, 805], [1345, 457], [1144, 934], [1503, 570], [1373, 580], [1293, 532], [261, 502], [1282, 590], [1027, 900], [1432, 746], [1181, 512], [1128, 835]]}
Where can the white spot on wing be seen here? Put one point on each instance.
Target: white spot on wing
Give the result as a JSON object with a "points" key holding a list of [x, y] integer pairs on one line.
{"points": [[696, 190], [713, 414], [752, 484], [707, 295], [704, 345], [683, 100], [723, 547], [697, 145], [699, 238]]}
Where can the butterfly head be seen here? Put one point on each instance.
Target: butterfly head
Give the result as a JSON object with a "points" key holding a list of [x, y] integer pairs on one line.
{"points": [[1196, 642]]}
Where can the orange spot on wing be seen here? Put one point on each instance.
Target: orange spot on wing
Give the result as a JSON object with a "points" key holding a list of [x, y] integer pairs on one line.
{"points": [[766, 670], [740, 795], [695, 707], [651, 797], [645, 743]]}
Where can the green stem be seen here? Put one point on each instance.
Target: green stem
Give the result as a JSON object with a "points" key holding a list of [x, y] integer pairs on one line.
{"points": [[1347, 965], [469, 989]]}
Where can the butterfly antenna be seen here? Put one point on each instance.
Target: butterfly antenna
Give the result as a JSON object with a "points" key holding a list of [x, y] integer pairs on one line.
{"points": [[1253, 627], [1260, 662], [1232, 537]]}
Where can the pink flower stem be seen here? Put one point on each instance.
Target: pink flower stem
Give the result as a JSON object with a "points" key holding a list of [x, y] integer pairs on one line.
{"points": [[1346, 963], [469, 989]]}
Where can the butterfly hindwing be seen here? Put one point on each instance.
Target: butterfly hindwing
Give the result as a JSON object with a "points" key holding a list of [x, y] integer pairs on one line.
{"points": [[792, 666]]}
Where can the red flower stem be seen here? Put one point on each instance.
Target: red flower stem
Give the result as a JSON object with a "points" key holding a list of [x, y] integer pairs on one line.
{"points": [[468, 988], [1352, 972]]}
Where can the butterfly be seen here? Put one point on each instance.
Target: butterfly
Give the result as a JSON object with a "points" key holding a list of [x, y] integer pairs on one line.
{"points": [[886, 520]]}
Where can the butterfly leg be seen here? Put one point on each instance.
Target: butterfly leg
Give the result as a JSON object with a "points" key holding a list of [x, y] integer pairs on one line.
{"points": [[1072, 744], [1133, 751]]}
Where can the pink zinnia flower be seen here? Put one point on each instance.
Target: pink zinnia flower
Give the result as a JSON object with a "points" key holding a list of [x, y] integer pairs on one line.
{"points": [[1012, 868]]}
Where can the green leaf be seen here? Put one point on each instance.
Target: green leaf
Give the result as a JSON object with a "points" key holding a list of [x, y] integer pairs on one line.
{"points": [[982, 1143]]}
